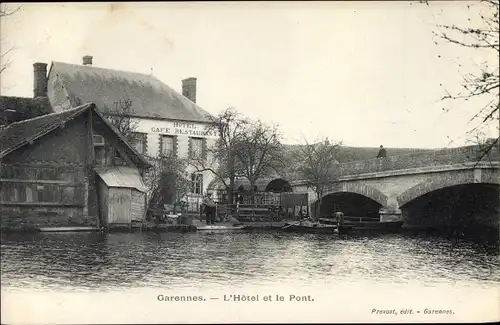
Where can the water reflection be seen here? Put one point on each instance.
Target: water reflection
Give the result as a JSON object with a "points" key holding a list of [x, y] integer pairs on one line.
{"points": [[107, 262]]}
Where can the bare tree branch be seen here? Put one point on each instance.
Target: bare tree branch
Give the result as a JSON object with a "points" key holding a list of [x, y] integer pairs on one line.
{"points": [[485, 82], [259, 151], [317, 164], [6, 11], [221, 159], [121, 116]]}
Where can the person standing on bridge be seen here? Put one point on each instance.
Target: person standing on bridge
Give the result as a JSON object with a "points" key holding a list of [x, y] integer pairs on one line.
{"points": [[382, 153]]}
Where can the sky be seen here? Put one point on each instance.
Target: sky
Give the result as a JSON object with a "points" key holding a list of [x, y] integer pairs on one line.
{"points": [[364, 73]]}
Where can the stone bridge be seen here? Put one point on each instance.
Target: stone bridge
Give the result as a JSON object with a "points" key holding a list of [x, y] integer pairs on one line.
{"points": [[395, 181]]}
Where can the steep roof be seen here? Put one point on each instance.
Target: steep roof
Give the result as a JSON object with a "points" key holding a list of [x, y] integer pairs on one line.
{"points": [[13, 109], [150, 97], [18, 134]]}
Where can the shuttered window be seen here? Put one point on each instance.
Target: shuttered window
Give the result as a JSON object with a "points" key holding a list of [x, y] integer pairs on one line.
{"points": [[167, 145], [197, 147]]}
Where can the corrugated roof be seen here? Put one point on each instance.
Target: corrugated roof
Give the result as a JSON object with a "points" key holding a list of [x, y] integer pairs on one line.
{"points": [[120, 176], [21, 133], [150, 97]]}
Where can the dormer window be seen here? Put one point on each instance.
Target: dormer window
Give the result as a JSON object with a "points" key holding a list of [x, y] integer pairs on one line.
{"points": [[98, 140]]}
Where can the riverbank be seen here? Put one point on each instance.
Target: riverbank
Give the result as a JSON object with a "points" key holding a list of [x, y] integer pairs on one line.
{"points": [[492, 234], [139, 227]]}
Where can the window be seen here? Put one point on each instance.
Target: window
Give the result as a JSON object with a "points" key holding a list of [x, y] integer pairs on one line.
{"points": [[196, 148], [98, 140], [138, 141], [118, 159], [99, 149], [68, 194], [167, 145], [39, 193], [10, 192], [197, 183], [29, 194]]}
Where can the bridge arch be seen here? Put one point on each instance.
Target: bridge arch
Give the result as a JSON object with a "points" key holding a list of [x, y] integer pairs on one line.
{"points": [[485, 177], [356, 188], [278, 185], [356, 200]]}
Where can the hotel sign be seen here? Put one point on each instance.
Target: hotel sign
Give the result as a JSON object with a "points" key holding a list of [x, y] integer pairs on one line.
{"points": [[184, 128]]}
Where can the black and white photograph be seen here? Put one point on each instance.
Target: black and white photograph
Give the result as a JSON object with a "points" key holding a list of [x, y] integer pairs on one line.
{"points": [[249, 162]]}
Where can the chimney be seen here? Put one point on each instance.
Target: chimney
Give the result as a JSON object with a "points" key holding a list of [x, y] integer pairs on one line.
{"points": [[189, 89], [87, 60], [40, 80]]}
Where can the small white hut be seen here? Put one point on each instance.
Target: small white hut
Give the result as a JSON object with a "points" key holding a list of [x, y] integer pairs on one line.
{"points": [[122, 195]]}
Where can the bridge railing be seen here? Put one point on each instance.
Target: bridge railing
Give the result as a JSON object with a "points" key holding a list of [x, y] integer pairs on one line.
{"points": [[451, 156]]}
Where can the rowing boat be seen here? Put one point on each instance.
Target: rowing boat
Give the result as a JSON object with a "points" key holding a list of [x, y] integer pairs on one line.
{"points": [[220, 228], [363, 224], [309, 227]]}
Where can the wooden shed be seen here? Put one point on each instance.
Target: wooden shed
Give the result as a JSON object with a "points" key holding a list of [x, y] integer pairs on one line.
{"points": [[122, 195]]}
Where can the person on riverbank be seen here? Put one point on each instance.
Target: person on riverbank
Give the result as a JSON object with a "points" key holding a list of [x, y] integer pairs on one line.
{"points": [[339, 216], [382, 153], [209, 208]]}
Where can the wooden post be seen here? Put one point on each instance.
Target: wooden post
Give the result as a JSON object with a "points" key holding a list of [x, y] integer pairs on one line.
{"points": [[143, 219], [91, 138], [90, 168]]}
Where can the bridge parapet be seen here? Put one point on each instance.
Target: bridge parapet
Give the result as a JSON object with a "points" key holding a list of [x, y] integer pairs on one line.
{"points": [[452, 156]]}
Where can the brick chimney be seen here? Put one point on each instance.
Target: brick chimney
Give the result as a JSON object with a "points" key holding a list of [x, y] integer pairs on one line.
{"points": [[39, 80], [87, 60], [189, 89]]}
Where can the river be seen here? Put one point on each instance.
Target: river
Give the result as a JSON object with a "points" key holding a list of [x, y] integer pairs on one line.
{"points": [[246, 261]]}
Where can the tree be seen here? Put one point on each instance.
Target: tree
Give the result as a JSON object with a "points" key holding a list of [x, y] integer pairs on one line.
{"points": [[221, 158], [6, 11], [317, 165], [259, 151], [480, 33], [121, 117], [166, 181]]}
